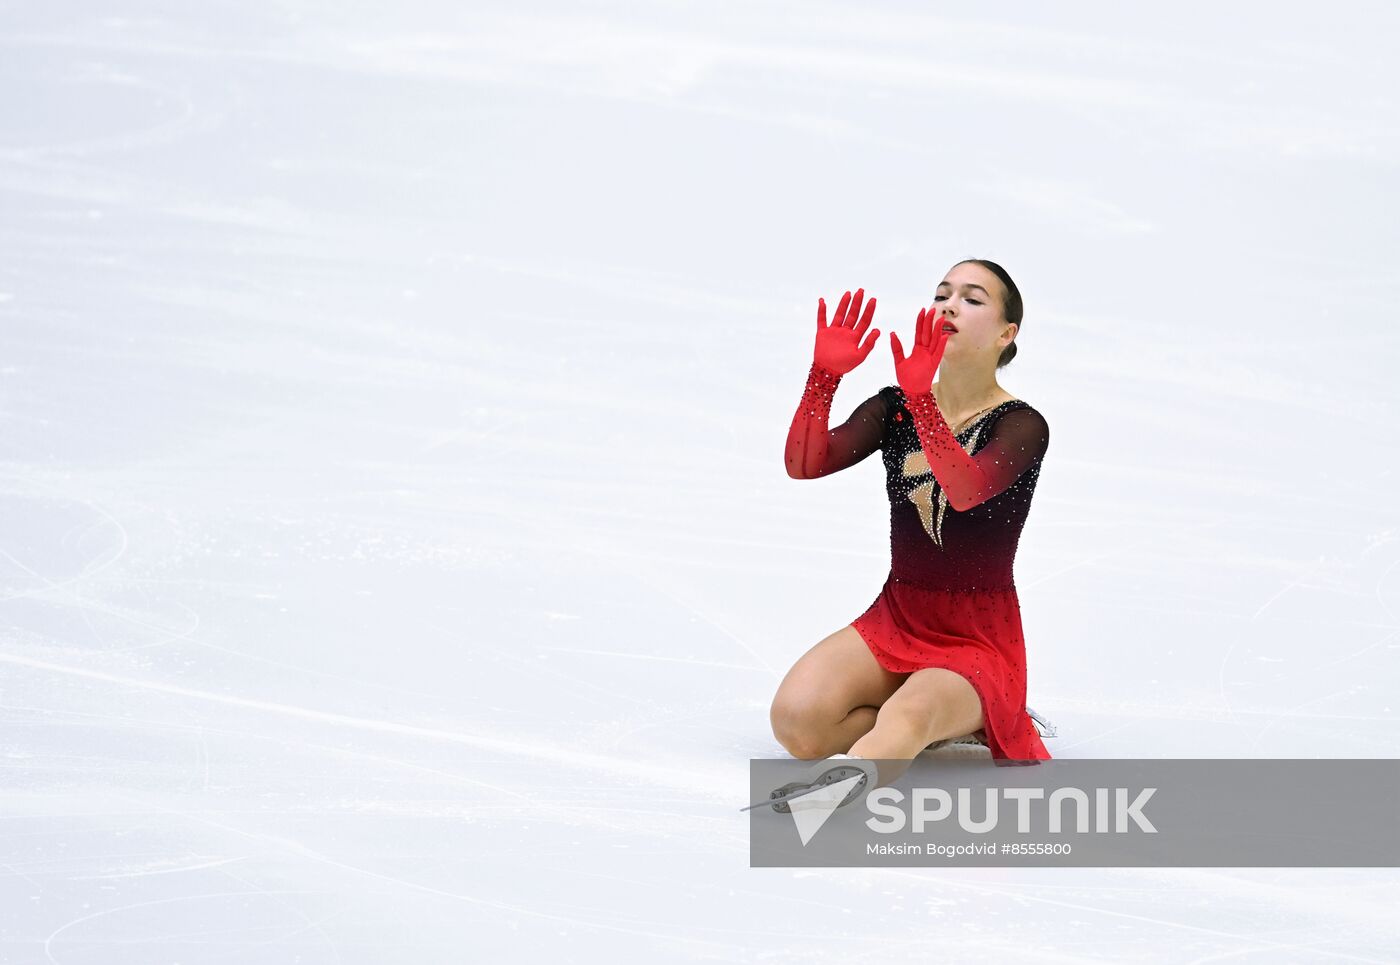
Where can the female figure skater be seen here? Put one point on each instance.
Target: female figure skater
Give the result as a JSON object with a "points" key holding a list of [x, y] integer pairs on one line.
{"points": [[939, 654]]}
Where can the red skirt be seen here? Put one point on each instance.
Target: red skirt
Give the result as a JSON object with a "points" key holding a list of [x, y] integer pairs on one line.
{"points": [[975, 633]]}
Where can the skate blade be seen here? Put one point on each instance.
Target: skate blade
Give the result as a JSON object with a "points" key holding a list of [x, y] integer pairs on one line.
{"points": [[1045, 728], [788, 792], [785, 793]]}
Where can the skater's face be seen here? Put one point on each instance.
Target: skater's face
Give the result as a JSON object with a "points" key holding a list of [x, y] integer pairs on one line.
{"points": [[972, 298]]}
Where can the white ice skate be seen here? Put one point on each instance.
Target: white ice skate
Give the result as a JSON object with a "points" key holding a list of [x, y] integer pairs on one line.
{"points": [[979, 738], [824, 773], [975, 739]]}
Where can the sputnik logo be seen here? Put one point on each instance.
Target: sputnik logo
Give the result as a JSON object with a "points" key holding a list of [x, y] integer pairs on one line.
{"points": [[813, 809]]}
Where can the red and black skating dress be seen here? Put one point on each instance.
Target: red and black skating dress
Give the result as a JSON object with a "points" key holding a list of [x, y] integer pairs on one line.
{"points": [[950, 598]]}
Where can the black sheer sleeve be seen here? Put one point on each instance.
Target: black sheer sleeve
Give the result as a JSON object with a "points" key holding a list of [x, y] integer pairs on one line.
{"points": [[856, 438], [1019, 440], [812, 449]]}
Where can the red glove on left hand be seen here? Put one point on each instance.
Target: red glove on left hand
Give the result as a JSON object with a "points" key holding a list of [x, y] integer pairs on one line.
{"points": [[967, 481], [915, 373]]}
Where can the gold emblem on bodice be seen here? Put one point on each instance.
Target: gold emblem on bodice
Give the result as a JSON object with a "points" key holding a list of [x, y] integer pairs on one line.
{"points": [[915, 466]]}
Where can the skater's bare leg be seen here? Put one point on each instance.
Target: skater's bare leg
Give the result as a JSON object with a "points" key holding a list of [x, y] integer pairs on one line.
{"points": [[930, 705], [831, 696]]}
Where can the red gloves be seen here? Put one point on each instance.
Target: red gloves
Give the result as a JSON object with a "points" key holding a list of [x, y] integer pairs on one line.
{"points": [[967, 481], [812, 450], [838, 347], [1019, 438]]}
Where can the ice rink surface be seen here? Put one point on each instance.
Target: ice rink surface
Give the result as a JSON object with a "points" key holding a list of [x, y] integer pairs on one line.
{"points": [[397, 559]]}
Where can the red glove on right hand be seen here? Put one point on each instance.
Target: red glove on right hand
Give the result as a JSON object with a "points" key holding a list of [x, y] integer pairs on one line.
{"points": [[838, 349]]}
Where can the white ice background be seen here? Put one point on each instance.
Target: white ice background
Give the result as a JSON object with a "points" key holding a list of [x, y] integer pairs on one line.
{"points": [[396, 556]]}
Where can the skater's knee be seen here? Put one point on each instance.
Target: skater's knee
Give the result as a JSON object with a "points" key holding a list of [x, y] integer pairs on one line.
{"points": [[803, 745], [797, 729]]}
